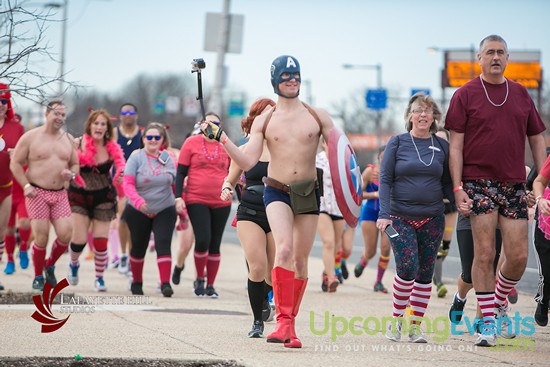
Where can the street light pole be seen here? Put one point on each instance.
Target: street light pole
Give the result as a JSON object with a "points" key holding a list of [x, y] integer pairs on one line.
{"points": [[63, 47]]}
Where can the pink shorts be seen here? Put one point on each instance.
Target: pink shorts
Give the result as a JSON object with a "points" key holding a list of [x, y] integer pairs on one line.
{"points": [[19, 209], [48, 204]]}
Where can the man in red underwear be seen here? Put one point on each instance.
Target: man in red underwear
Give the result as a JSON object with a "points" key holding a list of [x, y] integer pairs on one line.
{"points": [[52, 161]]}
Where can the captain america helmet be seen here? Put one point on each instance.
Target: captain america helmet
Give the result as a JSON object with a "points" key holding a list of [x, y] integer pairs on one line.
{"points": [[284, 65]]}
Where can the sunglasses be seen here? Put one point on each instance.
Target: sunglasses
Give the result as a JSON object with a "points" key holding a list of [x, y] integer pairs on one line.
{"points": [[151, 137], [4, 101], [126, 113]]}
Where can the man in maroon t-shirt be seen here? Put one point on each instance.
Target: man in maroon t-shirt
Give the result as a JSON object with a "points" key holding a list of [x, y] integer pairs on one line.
{"points": [[489, 118]]}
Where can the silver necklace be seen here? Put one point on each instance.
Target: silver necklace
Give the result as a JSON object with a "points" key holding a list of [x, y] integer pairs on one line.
{"points": [[487, 94], [417, 152]]}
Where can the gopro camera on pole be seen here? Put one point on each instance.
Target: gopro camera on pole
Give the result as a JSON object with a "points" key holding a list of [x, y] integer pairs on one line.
{"points": [[196, 66]]}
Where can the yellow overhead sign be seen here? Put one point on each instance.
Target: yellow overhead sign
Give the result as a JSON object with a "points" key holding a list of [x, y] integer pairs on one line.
{"points": [[527, 74], [461, 66]]}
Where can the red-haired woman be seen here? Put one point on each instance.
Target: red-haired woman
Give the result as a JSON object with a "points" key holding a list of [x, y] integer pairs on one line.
{"points": [[252, 225], [93, 200]]}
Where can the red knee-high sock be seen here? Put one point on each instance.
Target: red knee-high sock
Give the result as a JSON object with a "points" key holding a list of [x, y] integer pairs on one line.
{"points": [[100, 256], [136, 266], [24, 235], [200, 262], [212, 266], [38, 259], [420, 297], [164, 264], [58, 249], [10, 246]]}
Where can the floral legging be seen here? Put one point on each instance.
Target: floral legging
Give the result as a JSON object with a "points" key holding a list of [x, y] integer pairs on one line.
{"points": [[415, 250]]}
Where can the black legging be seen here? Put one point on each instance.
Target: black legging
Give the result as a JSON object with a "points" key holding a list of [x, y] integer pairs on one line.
{"points": [[542, 246], [465, 241], [208, 226], [141, 226]]}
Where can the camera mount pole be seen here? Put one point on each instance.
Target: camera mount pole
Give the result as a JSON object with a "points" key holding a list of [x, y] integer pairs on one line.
{"points": [[201, 100]]}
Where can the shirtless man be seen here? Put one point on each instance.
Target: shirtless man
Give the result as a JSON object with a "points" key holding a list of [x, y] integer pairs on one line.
{"points": [[292, 132], [52, 162]]}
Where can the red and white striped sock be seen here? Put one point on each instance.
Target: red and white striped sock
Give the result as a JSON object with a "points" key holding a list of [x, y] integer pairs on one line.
{"points": [[401, 293], [502, 288], [164, 264], [100, 259], [2, 245], [486, 301], [420, 297]]}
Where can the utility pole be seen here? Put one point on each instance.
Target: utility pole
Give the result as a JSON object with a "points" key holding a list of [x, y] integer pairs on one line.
{"points": [[216, 104]]}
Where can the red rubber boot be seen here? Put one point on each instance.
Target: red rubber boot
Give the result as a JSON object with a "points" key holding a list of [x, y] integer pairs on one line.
{"points": [[299, 290], [283, 292]]}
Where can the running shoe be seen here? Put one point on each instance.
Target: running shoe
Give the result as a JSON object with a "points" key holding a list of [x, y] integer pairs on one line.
{"points": [[166, 289], [441, 290], [211, 292], [393, 332], [379, 287], [268, 311], [541, 314], [72, 277], [137, 288], [339, 276], [324, 282], [416, 335], [176, 274], [344, 267], [10, 268], [488, 336], [457, 309], [359, 269], [1, 287], [99, 285], [513, 296], [38, 284], [503, 323], [198, 285], [257, 330], [23, 259], [124, 265], [50, 275]]}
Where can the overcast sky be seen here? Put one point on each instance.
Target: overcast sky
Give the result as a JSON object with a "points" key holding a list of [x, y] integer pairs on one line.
{"points": [[110, 42]]}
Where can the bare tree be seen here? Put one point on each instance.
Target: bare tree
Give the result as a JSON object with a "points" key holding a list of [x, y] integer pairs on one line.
{"points": [[25, 50]]}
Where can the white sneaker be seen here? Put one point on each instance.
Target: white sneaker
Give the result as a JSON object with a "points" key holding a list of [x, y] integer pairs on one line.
{"points": [[124, 265], [394, 335], [504, 324], [72, 277], [416, 335], [488, 336], [100, 285]]}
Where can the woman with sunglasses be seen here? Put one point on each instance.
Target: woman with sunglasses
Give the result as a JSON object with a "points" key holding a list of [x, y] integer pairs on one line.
{"points": [[95, 202], [205, 164], [148, 178]]}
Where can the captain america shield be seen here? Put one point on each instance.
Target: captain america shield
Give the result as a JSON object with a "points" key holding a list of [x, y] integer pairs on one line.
{"points": [[346, 176]]}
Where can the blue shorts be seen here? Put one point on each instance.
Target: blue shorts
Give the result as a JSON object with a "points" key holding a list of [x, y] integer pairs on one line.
{"points": [[272, 194], [369, 214]]}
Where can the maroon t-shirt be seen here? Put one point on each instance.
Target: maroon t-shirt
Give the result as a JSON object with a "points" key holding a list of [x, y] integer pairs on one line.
{"points": [[494, 137]]}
